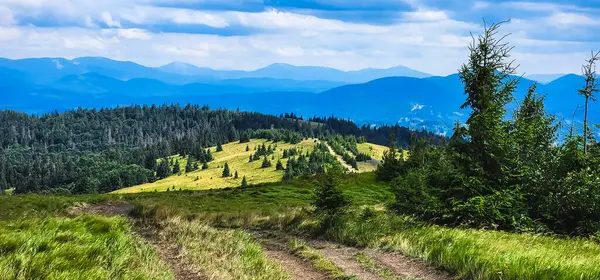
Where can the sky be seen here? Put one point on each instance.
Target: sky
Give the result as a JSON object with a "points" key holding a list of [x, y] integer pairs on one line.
{"points": [[427, 35]]}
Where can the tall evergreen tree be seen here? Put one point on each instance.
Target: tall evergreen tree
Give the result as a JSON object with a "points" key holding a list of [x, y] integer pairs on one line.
{"points": [[226, 171], [3, 185], [247, 148], [219, 147], [204, 165], [235, 176], [163, 170], [489, 87], [533, 138], [189, 166], [244, 182], [176, 167]]}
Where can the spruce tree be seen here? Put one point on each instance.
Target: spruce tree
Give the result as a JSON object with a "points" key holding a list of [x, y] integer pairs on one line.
{"points": [[489, 87], [279, 165], [189, 166], [176, 168], [235, 176], [219, 147], [244, 182], [330, 200], [163, 170], [250, 159], [204, 165], [226, 171], [247, 148], [391, 163], [266, 163]]}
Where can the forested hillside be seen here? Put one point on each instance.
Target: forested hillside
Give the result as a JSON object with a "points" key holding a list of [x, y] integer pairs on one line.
{"points": [[90, 151]]}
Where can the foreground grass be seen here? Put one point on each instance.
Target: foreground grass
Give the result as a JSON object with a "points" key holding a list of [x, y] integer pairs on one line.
{"points": [[236, 156], [215, 253], [468, 253], [472, 254], [86, 247]]}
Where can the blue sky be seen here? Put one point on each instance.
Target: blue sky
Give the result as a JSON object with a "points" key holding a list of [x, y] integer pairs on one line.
{"points": [[427, 35]]}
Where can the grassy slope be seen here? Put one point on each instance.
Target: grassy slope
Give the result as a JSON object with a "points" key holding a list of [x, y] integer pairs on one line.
{"points": [[376, 152], [235, 155], [86, 247]]}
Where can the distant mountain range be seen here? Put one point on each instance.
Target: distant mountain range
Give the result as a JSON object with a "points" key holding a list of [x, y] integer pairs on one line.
{"points": [[47, 70], [369, 96]]}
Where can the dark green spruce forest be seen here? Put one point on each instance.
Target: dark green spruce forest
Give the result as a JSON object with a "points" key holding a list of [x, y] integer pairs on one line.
{"points": [[503, 173]]}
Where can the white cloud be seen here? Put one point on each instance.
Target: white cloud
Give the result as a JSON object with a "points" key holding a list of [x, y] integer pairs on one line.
{"points": [[562, 19], [9, 33], [425, 15], [85, 42], [128, 33], [289, 21], [107, 17], [289, 51], [6, 16]]}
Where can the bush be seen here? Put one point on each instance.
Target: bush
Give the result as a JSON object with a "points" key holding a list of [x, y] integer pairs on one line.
{"points": [[572, 206]]}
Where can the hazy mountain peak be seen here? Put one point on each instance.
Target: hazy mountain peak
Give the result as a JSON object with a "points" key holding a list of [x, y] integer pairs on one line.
{"points": [[545, 78]]}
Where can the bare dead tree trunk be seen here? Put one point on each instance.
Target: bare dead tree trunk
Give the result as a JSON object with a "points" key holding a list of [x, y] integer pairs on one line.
{"points": [[585, 126], [591, 87]]}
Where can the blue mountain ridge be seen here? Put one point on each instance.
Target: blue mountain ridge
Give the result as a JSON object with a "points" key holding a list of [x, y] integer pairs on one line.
{"points": [[427, 102]]}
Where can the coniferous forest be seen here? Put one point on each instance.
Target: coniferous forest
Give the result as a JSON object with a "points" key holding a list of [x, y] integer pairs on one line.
{"points": [[101, 150], [503, 170]]}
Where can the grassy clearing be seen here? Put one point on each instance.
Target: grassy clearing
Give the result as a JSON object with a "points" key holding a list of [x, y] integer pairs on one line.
{"points": [[361, 189], [86, 247], [374, 150], [236, 156], [317, 259]]}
